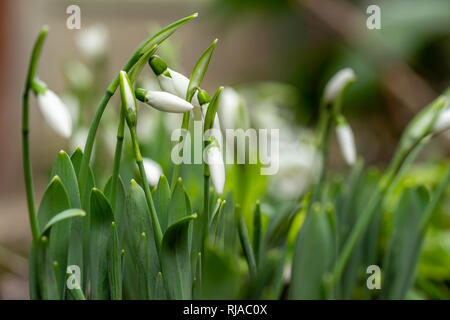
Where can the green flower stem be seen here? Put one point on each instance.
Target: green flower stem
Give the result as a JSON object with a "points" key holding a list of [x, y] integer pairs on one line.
{"points": [[25, 135], [205, 206], [117, 157], [148, 194], [176, 169], [142, 50]]}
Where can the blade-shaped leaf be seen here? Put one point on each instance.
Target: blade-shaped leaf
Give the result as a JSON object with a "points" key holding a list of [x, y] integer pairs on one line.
{"points": [[176, 264], [100, 242], [404, 246], [245, 241], [312, 255], [212, 109], [166, 32], [178, 205], [66, 214], [162, 199], [199, 71]]}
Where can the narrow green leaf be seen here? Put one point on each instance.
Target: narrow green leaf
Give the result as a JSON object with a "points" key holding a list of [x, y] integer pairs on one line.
{"points": [[166, 32], [162, 198], [33, 275], [115, 276], [257, 231], [405, 244], [178, 205], [245, 242], [199, 71], [312, 253], [99, 244], [66, 214], [46, 273], [159, 291], [120, 205], [176, 264], [212, 109]]}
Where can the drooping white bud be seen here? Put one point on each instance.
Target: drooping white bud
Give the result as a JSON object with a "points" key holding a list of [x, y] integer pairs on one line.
{"points": [[180, 84], [153, 171], [346, 142], [55, 113], [337, 83], [167, 102], [166, 84], [232, 110], [92, 40], [213, 158]]}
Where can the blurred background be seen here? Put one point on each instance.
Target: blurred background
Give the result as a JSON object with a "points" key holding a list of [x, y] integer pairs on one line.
{"points": [[276, 54]]}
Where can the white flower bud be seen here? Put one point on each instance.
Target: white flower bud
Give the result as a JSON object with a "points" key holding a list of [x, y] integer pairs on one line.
{"points": [[337, 83], [233, 112], [55, 113], [166, 84], [153, 171], [180, 84], [346, 142], [213, 158], [167, 102]]}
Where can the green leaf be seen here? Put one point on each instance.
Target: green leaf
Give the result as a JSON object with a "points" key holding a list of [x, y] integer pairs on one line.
{"points": [[115, 276], [212, 109], [159, 291], [312, 255], [120, 205], [257, 232], [179, 206], [47, 278], [137, 269], [166, 32], [66, 214], [199, 71], [176, 264], [162, 199], [99, 244], [245, 242], [54, 201], [33, 275], [405, 244], [220, 276]]}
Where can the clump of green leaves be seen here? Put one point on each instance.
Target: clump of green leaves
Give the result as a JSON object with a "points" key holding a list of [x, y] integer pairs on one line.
{"points": [[131, 242]]}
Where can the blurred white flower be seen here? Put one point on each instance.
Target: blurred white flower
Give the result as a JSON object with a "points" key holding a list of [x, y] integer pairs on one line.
{"points": [[346, 141], [92, 40], [55, 113], [153, 171], [337, 83], [232, 111], [443, 121], [299, 166], [73, 105], [78, 75], [216, 166]]}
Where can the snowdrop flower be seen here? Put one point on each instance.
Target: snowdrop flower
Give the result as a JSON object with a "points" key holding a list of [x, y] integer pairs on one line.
{"points": [[128, 99], [214, 159], [55, 112], [153, 171], [92, 41], [170, 80], [337, 83], [346, 141], [163, 101], [78, 75]]}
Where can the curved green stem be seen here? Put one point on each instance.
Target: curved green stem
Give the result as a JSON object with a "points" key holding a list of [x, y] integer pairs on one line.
{"points": [[25, 135], [117, 157], [142, 50]]}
